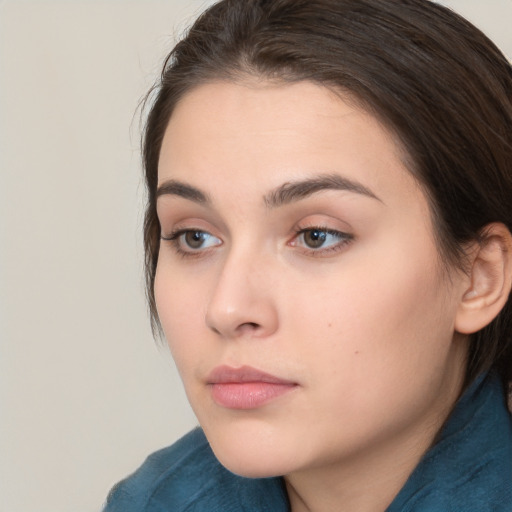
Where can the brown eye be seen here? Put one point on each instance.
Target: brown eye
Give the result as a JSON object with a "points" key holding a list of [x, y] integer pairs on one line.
{"points": [[321, 241], [195, 239], [192, 241], [314, 238]]}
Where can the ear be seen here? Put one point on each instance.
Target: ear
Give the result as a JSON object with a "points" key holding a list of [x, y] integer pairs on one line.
{"points": [[490, 280]]}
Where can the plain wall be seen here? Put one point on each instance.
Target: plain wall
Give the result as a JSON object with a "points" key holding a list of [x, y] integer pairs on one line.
{"points": [[85, 393]]}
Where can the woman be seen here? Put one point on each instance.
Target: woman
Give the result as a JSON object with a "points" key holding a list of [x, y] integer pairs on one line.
{"points": [[329, 257]]}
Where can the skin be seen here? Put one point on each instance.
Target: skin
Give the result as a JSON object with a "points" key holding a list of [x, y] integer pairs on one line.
{"points": [[364, 325]]}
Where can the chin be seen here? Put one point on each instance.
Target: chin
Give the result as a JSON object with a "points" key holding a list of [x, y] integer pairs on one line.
{"points": [[257, 466], [252, 456]]}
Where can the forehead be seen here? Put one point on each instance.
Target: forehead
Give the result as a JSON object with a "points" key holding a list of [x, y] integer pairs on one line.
{"points": [[264, 134]]}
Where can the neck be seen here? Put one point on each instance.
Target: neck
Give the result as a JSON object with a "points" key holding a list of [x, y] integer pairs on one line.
{"points": [[369, 480], [367, 484]]}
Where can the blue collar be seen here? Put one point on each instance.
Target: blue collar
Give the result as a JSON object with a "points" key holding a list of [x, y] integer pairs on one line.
{"points": [[469, 469]]}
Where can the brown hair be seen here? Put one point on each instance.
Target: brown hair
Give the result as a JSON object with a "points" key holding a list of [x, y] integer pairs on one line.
{"points": [[439, 84]]}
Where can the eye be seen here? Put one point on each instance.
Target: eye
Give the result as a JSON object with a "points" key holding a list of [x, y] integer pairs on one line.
{"points": [[197, 239], [187, 241], [317, 239]]}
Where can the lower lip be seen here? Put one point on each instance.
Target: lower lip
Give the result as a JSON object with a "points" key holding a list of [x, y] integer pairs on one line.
{"points": [[248, 395]]}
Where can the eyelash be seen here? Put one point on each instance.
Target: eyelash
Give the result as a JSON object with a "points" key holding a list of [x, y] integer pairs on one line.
{"points": [[344, 240], [174, 240]]}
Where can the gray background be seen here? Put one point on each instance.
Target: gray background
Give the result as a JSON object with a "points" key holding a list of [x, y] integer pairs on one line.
{"points": [[85, 394]]}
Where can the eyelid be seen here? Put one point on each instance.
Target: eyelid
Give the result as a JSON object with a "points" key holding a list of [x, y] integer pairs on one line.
{"points": [[184, 221], [180, 248], [345, 239]]}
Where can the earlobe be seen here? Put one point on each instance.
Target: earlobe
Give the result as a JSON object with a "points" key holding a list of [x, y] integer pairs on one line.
{"points": [[490, 280]]}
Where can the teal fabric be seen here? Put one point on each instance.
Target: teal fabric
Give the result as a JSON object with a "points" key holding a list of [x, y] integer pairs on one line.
{"points": [[188, 477], [469, 469]]}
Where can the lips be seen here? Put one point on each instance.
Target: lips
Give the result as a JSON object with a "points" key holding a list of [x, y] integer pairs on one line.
{"points": [[245, 387]]}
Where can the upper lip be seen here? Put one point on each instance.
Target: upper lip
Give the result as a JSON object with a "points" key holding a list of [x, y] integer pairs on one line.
{"points": [[227, 374]]}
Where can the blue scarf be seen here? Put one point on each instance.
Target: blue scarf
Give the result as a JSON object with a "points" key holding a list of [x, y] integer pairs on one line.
{"points": [[469, 469]]}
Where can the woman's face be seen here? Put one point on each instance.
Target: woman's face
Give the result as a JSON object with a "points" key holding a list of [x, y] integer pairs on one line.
{"points": [[298, 281]]}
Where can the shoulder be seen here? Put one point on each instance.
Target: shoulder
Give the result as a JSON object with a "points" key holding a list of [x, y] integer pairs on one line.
{"points": [[170, 470], [470, 467], [187, 477]]}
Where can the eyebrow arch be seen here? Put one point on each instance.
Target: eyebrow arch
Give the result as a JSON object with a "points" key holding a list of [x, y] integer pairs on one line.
{"points": [[286, 193], [178, 188], [294, 191]]}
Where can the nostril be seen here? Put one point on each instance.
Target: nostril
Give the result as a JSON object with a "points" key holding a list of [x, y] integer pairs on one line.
{"points": [[248, 327], [240, 329]]}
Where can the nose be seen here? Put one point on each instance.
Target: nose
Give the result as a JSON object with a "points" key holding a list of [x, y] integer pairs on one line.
{"points": [[242, 303]]}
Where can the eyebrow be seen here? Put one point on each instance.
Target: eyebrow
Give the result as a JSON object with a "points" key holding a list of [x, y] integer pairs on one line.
{"points": [[296, 190], [180, 189], [287, 193]]}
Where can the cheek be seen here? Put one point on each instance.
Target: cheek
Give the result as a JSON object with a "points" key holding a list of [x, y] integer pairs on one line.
{"points": [[375, 351], [180, 312], [383, 319]]}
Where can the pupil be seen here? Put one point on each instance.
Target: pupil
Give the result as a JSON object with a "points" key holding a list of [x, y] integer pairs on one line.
{"points": [[315, 238], [195, 239]]}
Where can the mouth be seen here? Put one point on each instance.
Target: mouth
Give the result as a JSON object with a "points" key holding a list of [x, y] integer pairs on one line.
{"points": [[245, 387]]}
